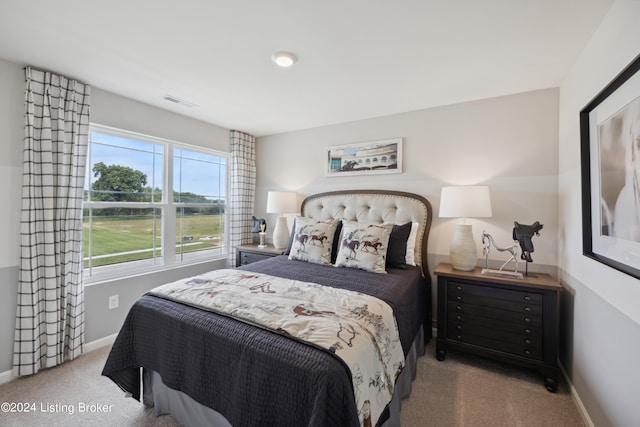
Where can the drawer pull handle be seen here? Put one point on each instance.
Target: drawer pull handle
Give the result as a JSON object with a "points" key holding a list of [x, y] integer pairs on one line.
{"points": [[527, 341], [527, 352], [458, 307], [459, 298], [527, 319], [527, 330], [458, 317], [527, 309], [459, 337], [459, 327], [459, 288], [527, 298]]}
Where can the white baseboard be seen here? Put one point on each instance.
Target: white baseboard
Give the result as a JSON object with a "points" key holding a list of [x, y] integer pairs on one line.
{"points": [[7, 376], [576, 398], [96, 344]]}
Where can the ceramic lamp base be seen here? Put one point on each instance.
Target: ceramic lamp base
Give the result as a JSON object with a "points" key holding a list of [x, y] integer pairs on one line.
{"points": [[281, 233], [463, 250]]}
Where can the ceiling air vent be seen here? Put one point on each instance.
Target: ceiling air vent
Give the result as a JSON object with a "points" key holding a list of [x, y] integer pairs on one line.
{"points": [[179, 101]]}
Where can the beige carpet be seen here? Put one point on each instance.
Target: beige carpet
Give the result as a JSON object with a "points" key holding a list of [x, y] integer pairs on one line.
{"points": [[466, 390], [461, 391]]}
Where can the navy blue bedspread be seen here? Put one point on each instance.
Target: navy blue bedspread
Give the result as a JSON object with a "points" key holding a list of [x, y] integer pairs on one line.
{"points": [[251, 375]]}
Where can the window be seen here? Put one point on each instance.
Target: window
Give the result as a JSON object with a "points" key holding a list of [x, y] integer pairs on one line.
{"points": [[150, 203]]}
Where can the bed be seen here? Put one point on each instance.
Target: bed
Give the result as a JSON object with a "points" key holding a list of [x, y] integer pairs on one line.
{"points": [[207, 367]]}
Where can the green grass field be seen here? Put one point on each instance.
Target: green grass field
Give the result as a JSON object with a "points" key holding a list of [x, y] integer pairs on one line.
{"points": [[132, 238]]}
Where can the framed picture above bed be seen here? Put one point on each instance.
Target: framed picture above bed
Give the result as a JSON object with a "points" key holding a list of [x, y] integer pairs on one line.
{"points": [[610, 166], [365, 158]]}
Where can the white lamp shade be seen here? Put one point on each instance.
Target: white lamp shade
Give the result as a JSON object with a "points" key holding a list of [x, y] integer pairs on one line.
{"points": [[282, 202], [471, 201]]}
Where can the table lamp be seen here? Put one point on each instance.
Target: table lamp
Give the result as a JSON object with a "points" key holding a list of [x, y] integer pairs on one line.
{"points": [[464, 202], [281, 202]]}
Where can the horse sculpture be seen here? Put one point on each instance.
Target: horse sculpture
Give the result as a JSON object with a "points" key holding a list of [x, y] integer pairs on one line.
{"points": [[487, 241], [523, 234], [258, 225]]}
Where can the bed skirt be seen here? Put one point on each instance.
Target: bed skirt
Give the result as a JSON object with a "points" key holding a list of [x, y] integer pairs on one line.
{"points": [[190, 413]]}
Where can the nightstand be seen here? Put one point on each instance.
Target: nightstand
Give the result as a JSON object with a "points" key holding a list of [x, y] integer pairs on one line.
{"points": [[510, 320], [246, 254]]}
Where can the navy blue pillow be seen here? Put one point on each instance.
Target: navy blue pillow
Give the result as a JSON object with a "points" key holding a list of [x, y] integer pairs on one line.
{"points": [[397, 250], [293, 231], [336, 243]]}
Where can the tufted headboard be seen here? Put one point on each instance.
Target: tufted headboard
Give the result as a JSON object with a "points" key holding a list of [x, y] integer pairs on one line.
{"points": [[376, 206]]}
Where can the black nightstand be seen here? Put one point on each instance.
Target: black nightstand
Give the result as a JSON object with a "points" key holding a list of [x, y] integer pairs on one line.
{"points": [[246, 254], [510, 320]]}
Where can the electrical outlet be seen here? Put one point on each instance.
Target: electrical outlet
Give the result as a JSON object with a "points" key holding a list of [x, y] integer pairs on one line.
{"points": [[114, 301]]}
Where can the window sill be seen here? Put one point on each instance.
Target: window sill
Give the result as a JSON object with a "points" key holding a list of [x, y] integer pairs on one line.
{"points": [[221, 261]]}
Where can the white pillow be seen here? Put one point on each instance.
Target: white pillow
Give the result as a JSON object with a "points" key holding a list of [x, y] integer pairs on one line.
{"points": [[364, 246], [312, 240], [411, 244]]}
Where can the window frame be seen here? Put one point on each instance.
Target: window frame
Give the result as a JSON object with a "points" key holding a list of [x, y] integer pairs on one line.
{"points": [[167, 206]]}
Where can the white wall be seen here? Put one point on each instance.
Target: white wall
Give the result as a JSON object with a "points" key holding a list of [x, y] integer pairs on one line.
{"points": [[509, 143], [106, 109], [11, 141], [601, 342]]}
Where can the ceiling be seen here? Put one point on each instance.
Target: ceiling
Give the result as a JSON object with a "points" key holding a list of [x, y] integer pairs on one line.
{"points": [[357, 59]]}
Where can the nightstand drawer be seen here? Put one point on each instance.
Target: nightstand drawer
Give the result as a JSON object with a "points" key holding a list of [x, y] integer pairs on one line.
{"points": [[519, 349], [246, 254], [476, 312], [507, 305], [497, 324], [249, 257], [474, 329], [483, 293]]}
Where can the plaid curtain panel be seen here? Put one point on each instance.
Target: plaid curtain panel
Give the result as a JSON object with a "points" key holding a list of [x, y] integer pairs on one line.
{"points": [[243, 189], [50, 308]]}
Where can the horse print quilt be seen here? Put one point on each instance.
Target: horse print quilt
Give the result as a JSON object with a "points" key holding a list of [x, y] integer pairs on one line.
{"points": [[351, 325]]}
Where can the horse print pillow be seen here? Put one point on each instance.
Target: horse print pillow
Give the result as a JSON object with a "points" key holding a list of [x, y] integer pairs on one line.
{"points": [[312, 240], [364, 246]]}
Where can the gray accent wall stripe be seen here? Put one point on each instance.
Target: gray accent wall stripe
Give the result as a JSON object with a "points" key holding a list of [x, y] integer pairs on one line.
{"points": [[8, 299]]}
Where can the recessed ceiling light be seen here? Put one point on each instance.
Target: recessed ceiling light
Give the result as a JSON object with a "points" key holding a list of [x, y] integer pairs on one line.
{"points": [[284, 59]]}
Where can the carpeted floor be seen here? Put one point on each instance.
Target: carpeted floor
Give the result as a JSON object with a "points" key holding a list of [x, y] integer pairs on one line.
{"points": [[471, 391], [463, 390]]}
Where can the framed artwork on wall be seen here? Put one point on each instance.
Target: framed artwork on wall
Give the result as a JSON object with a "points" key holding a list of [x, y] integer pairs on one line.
{"points": [[610, 168], [365, 158]]}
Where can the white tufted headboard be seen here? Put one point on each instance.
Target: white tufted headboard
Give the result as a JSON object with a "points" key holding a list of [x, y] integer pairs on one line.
{"points": [[376, 206]]}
